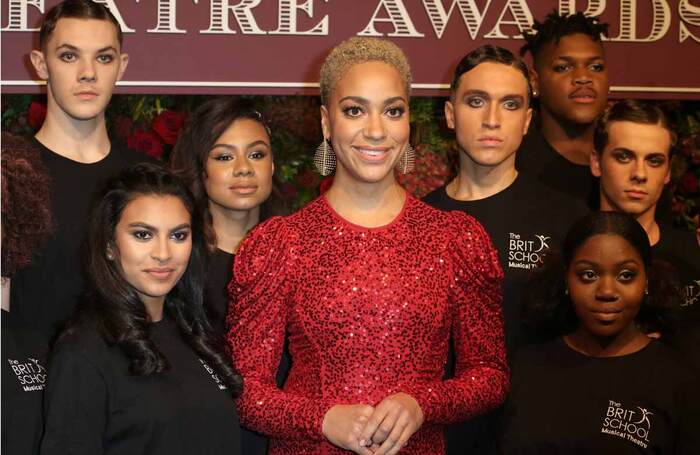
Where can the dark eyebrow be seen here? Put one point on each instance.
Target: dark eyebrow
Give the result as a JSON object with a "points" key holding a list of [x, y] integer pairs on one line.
{"points": [[258, 142], [624, 149], [232, 147], [476, 92], [573, 59], [143, 225], [70, 47], [365, 101], [513, 97], [181, 227]]}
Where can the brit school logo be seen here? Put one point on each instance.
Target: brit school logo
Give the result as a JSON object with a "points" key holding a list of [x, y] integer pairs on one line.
{"points": [[214, 376], [30, 374], [633, 424], [526, 253], [692, 293]]}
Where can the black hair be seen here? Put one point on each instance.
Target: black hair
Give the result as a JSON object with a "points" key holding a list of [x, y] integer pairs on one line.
{"points": [[635, 111], [113, 306], [555, 27], [202, 129], [493, 54], [75, 9], [548, 310]]}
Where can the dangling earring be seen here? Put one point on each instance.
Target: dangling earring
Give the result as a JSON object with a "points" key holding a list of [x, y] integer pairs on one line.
{"points": [[407, 161], [324, 158]]}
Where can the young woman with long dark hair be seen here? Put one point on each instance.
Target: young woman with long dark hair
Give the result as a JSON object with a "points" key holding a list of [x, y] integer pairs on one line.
{"points": [[137, 371], [602, 385], [224, 154]]}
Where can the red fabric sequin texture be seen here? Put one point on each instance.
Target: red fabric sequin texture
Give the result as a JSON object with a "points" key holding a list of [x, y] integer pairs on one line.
{"points": [[369, 313]]}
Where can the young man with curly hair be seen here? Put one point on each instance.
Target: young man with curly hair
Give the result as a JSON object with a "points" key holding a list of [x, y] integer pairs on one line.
{"points": [[570, 83]]}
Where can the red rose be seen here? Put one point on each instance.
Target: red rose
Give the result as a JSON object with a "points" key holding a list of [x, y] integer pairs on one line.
{"points": [[689, 183], [36, 115], [307, 179], [123, 127], [147, 142], [168, 125]]}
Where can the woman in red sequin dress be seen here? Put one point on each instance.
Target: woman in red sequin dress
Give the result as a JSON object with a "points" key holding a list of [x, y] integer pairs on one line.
{"points": [[369, 284]]}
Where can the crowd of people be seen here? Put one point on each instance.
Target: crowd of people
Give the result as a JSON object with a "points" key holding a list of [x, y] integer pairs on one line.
{"points": [[538, 303]]}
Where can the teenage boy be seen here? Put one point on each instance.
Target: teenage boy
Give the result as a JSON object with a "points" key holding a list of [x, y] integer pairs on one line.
{"points": [[570, 80], [632, 157], [81, 59], [489, 111]]}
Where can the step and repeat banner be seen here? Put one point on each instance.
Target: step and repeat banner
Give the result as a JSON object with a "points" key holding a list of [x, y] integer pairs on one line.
{"points": [[277, 46]]}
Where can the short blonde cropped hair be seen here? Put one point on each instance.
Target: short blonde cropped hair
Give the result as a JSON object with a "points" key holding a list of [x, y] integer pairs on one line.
{"points": [[361, 50]]}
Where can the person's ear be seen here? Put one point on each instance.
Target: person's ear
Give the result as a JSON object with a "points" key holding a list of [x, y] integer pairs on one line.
{"points": [[534, 82], [595, 164], [123, 63], [39, 63], [325, 122], [450, 114]]}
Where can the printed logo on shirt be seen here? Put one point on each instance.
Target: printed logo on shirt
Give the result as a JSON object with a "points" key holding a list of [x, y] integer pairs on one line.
{"points": [[632, 424], [692, 293], [526, 253], [31, 375], [214, 376]]}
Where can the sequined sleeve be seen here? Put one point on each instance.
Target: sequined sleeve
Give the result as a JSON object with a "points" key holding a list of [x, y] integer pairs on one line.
{"points": [[257, 319], [481, 377]]}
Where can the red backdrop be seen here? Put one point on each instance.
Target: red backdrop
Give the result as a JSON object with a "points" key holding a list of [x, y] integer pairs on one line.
{"points": [[277, 46]]}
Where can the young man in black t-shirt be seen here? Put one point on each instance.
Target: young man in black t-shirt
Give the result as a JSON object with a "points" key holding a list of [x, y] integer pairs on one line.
{"points": [[489, 111], [81, 58], [570, 80], [633, 142]]}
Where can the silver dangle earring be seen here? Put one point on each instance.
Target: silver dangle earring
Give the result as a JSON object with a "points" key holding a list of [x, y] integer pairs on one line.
{"points": [[324, 158], [407, 161]]}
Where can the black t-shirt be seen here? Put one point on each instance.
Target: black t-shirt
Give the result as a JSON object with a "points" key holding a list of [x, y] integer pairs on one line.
{"points": [[524, 221], [23, 381], [680, 249], [539, 160], [93, 405], [564, 402], [45, 292], [219, 273]]}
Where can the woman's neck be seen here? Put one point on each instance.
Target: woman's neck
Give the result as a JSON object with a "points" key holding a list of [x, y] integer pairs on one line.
{"points": [[366, 204], [629, 341], [231, 226]]}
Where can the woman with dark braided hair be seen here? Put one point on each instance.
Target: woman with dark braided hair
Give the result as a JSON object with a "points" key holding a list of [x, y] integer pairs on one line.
{"points": [[137, 370]]}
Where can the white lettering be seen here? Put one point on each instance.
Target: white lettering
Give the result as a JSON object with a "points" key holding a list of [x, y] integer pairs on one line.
{"points": [[17, 15], [690, 14], [594, 7], [522, 19], [219, 14], [288, 19], [471, 15], [661, 21], [398, 17]]}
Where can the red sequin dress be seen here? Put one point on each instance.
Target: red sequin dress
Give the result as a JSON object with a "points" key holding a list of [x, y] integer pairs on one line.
{"points": [[369, 313]]}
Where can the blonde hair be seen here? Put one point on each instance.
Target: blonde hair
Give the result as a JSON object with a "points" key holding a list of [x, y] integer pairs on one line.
{"points": [[361, 50]]}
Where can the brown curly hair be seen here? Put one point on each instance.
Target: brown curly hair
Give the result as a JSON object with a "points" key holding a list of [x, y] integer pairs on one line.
{"points": [[26, 214]]}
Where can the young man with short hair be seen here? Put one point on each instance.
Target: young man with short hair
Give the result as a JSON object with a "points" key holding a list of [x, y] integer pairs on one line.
{"points": [[632, 158], [81, 59], [489, 111], [570, 81]]}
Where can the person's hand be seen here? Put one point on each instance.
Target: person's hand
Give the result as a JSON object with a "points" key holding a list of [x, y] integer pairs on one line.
{"points": [[343, 423], [392, 423]]}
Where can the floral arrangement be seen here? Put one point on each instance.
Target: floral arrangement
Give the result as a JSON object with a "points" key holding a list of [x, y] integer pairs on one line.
{"points": [[151, 124]]}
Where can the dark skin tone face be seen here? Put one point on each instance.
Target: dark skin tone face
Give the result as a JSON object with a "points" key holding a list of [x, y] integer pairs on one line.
{"points": [[572, 80]]}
